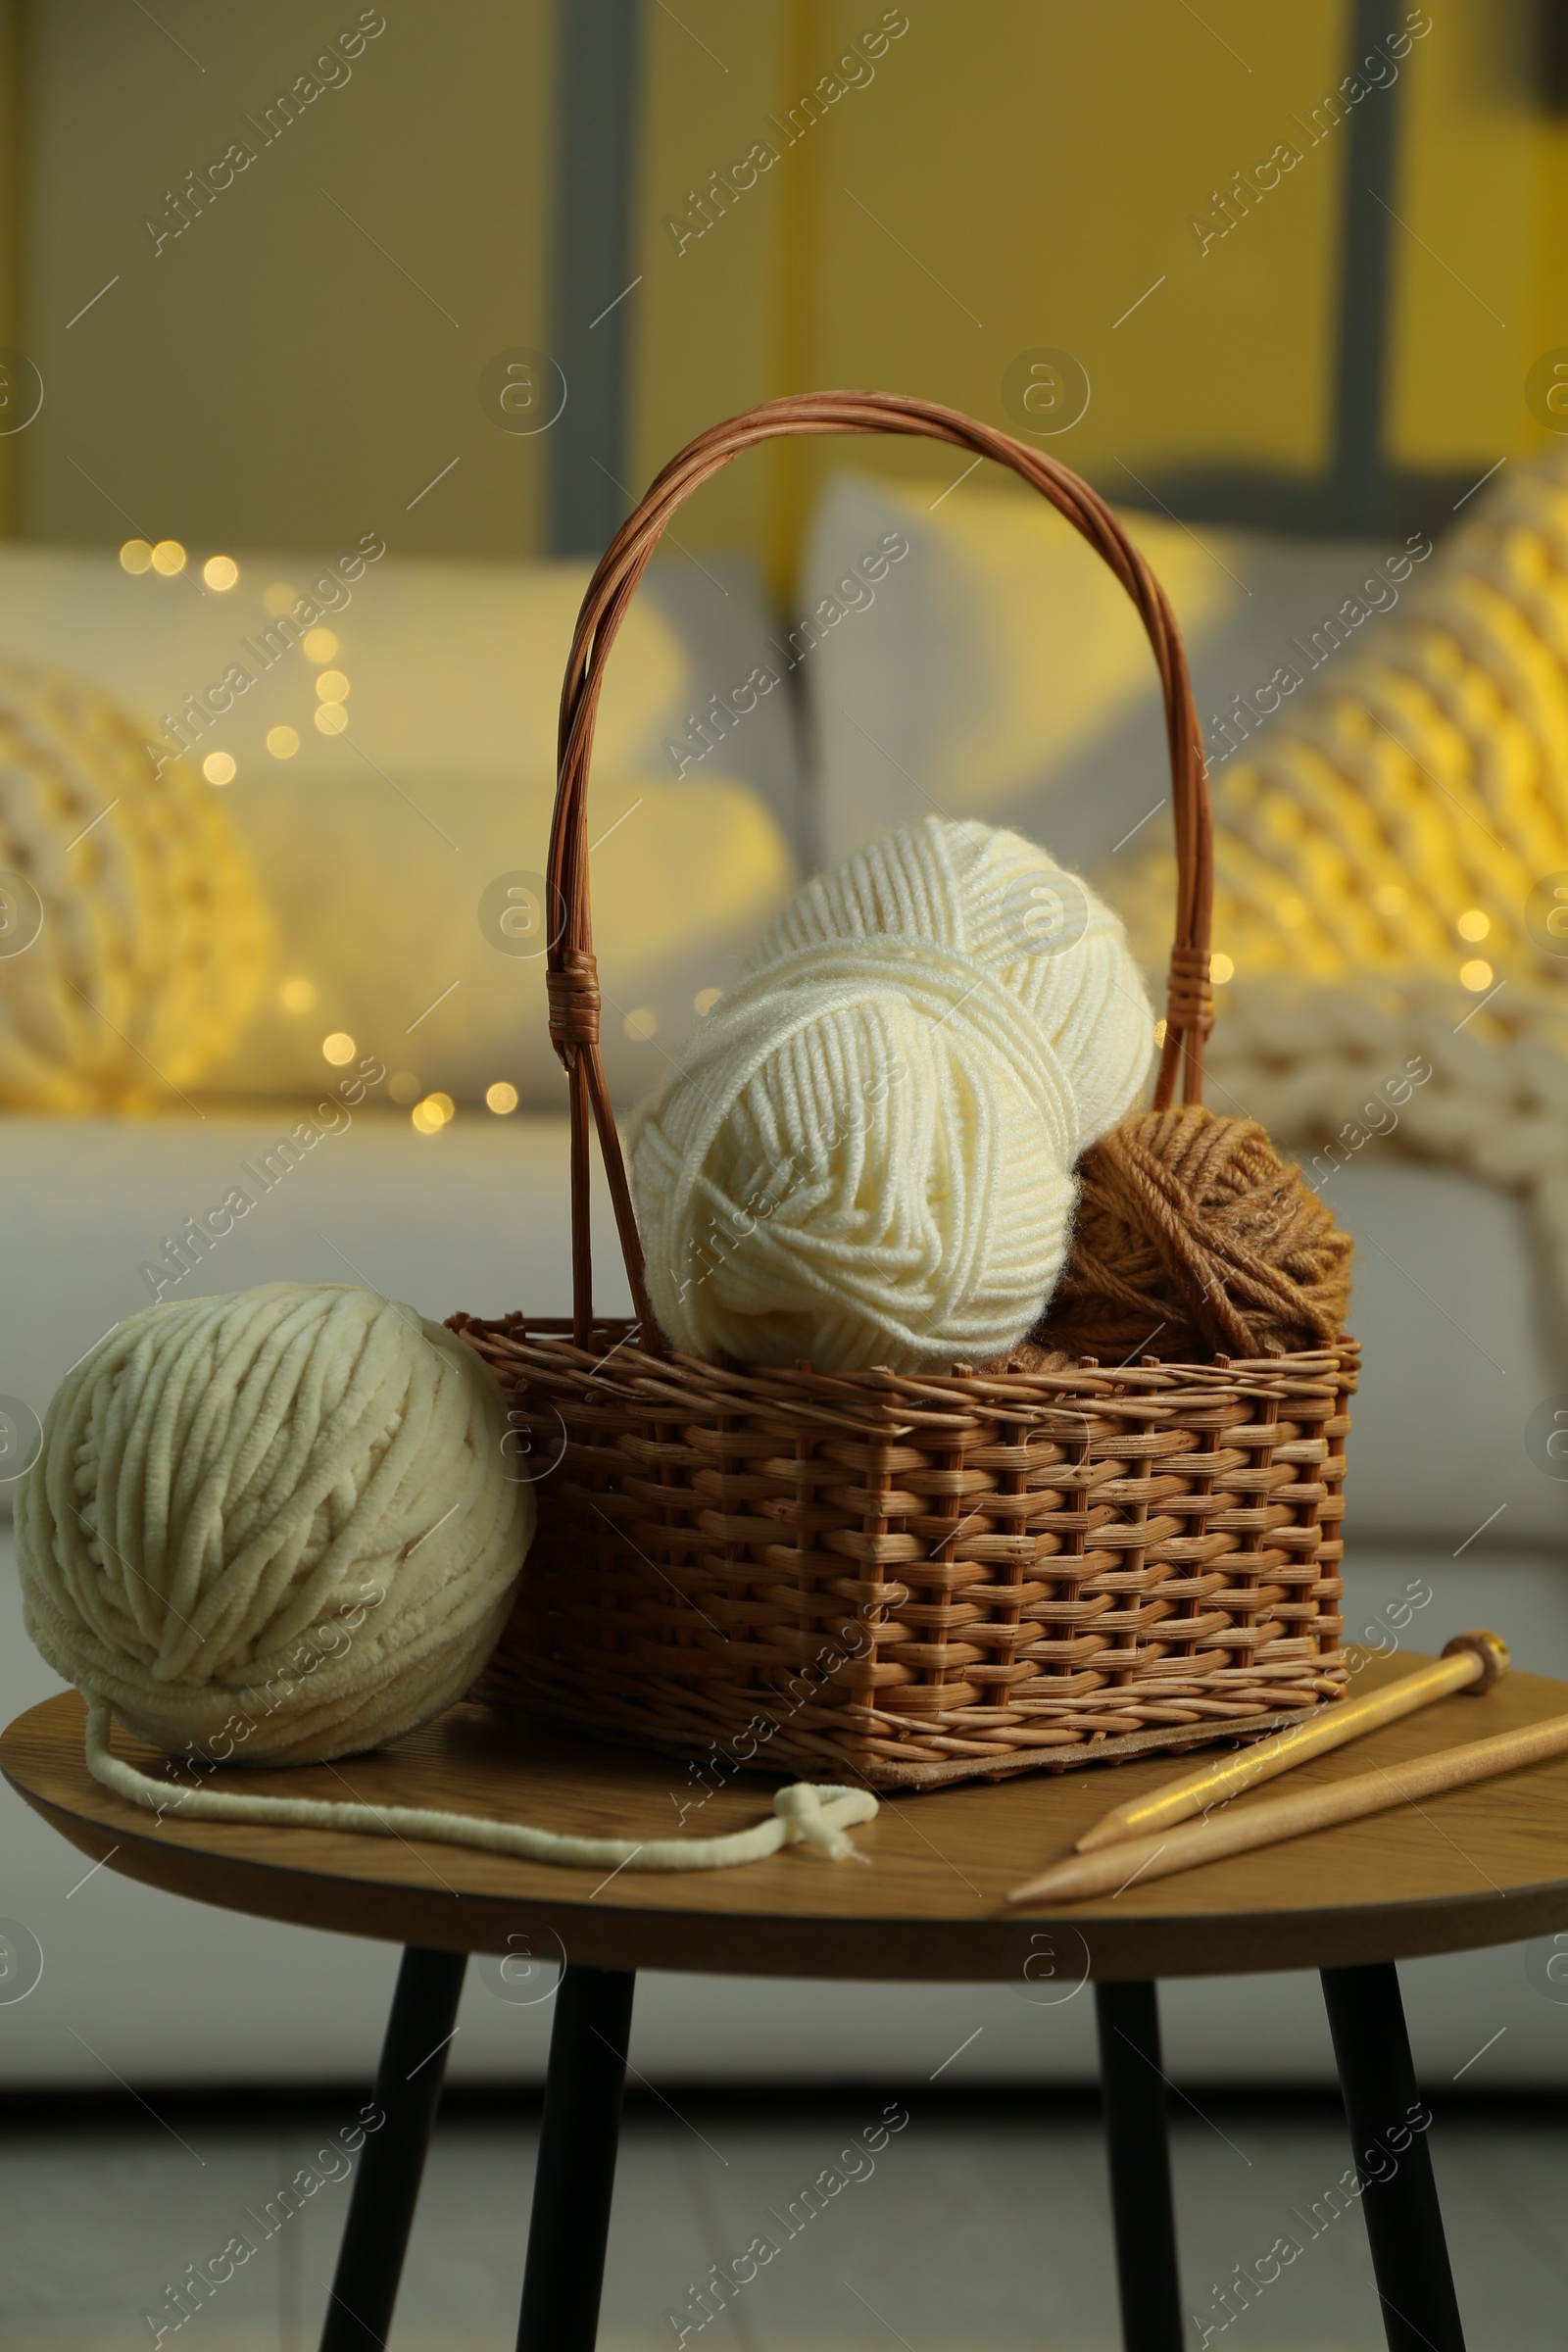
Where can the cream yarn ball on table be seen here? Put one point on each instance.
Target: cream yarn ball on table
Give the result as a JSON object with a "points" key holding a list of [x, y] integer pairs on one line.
{"points": [[276, 1526], [279, 1527], [865, 1155]]}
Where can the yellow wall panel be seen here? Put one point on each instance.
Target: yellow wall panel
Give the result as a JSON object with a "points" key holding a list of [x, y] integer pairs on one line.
{"points": [[1002, 176], [711, 256], [1474, 184], [945, 247], [280, 372], [992, 179]]}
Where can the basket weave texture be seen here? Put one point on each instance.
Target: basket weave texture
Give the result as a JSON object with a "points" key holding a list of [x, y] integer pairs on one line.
{"points": [[918, 1579], [905, 1579]]}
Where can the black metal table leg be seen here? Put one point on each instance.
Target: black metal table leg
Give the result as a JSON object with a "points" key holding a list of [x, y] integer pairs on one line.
{"points": [[1138, 2149], [569, 2226], [408, 2087], [1388, 2122]]}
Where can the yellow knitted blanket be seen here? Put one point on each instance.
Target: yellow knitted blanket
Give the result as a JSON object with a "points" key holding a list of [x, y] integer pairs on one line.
{"points": [[135, 938], [1391, 856]]}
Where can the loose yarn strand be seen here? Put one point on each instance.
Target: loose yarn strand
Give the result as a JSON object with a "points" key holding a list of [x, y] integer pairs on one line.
{"points": [[803, 1813]]}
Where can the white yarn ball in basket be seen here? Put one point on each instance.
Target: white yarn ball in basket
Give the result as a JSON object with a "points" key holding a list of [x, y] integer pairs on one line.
{"points": [[133, 934], [863, 1164], [865, 1155], [276, 1526], [1053, 942]]}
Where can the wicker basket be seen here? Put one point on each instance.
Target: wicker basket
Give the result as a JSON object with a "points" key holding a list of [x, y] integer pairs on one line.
{"points": [[907, 1580]]}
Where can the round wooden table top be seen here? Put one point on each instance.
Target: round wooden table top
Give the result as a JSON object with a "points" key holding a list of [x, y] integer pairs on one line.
{"points": [[1487, 1864]]}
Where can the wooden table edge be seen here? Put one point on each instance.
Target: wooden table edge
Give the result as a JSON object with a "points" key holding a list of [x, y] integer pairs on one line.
{"points": [[993, 1947]]}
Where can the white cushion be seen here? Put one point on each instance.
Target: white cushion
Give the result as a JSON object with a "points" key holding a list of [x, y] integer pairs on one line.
{"points": [[1002, 671], [450, 664], [375, 847], [379, 886]]}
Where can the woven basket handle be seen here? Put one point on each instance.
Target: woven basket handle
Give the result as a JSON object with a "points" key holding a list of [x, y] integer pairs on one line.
{"points": [[573, 979]]}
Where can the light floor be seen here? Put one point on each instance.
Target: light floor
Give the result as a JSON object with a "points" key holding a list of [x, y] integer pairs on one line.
{"points": [[976, 2229]]}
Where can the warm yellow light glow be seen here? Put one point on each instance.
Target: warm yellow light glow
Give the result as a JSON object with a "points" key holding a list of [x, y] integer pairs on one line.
{"points": [[706, 997], [221, 572], [1476, 975], [297, 994], [1391, 898], [331, 718], [278, 597], [136, 556], [332, 686], [1473, 923], [641, 1023], [404, 1087], [169, 556], [220, 767], [1292, 913], [433, 1114], [282, 742], [320, 645], [1221, 969], [1159, 1032], [339, 1047], [500, 1098]]}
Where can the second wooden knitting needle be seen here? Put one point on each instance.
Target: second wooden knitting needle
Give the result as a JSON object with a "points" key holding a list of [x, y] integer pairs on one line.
{"points": [[1294, 1815]]}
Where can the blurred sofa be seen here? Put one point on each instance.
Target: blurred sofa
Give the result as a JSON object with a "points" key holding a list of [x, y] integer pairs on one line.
{"points": [[989, 669]]}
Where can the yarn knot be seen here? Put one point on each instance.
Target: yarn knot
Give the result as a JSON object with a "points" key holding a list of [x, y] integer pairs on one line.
{"points": [[574, 995], [818, 1816]]}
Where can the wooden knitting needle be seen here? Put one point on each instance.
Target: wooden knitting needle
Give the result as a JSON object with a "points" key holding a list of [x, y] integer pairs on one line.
{"points": [[1114, 1867], [1471, 1662]]}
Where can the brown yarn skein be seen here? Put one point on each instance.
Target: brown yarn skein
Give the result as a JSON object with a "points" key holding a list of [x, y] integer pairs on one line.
{"points": [[1194, 1239]]}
